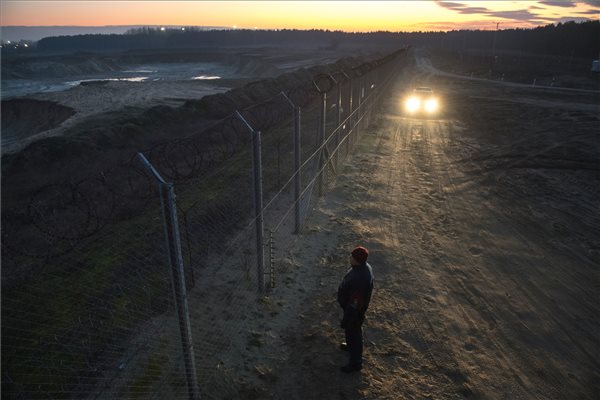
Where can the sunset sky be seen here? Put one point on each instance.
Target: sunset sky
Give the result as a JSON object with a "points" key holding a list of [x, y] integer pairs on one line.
{"points": [[343, 15]]}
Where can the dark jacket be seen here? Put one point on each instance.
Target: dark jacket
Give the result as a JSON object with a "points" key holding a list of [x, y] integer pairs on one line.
{"points": [[354, 295]]}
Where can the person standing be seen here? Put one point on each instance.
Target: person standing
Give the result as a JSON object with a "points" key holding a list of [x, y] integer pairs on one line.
{"points": [[354, 295]]}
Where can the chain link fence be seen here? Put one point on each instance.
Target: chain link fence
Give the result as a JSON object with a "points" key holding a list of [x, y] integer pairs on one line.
{"points": [[146, 279]]}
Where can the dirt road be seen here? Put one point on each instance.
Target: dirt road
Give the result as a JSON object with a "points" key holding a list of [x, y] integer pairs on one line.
{"points": [[424, 63], [484, 232]]}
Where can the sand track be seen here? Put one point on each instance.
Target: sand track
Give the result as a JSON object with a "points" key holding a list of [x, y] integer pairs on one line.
{"points": [[486, 278]]}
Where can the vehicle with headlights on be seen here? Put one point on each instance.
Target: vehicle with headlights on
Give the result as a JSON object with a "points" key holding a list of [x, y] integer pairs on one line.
{"points": [[422, 102]]}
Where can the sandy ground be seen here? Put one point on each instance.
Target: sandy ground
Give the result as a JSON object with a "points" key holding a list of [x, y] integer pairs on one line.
{"points": [[484, 235], [108, 96], [146, 85], [485, 251]]}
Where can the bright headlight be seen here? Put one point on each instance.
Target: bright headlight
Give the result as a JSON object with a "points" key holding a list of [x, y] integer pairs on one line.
{"points": [[413, 104], [431, 105]]}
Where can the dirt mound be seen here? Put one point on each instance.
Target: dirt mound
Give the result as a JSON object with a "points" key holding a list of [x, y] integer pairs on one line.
{"points": [[55, 67], [26, 117], [300, 82], [121, 134], [256, 68]]}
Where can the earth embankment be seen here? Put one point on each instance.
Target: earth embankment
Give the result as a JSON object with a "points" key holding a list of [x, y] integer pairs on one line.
{"points": [[25, 117], [103, 141]]}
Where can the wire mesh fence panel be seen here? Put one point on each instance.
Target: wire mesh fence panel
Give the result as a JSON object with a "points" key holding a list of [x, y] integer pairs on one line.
{"points": [[340, 129], [88, 318], [91, 302], [225, 264]]}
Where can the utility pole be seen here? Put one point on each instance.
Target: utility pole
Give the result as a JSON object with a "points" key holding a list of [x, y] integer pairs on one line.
{"points": [[494, 46]]}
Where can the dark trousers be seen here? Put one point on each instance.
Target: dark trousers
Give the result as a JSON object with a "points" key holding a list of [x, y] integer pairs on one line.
{"points": [[354, 340]]}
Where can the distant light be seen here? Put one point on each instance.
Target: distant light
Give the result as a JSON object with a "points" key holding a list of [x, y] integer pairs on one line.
{"points": [[162, 28], [183, 29], [26, 45], [255, 28], [8, 41], [235, 27]]}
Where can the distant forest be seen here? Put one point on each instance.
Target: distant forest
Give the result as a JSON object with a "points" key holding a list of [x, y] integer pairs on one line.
{"points": [[570, 38]]}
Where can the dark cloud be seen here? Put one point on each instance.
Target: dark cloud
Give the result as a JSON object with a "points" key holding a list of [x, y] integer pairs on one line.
{"points": [[449, 4], [569, 4], [453, 25], [523, 15], [517, 15], [595, 3], [540, 22], [473, 10], [462, 8], [558, 3]]}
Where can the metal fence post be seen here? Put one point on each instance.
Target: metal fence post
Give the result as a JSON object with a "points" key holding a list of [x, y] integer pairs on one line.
{"points": [[369, 99], [167, 196], [366, 100], [372, 90], [359, 111], [258, 202], [362, 98], [271, 260], [175, 257], [322, 141], [297, 160], [338, 121], [351, 130], [258, 206]]}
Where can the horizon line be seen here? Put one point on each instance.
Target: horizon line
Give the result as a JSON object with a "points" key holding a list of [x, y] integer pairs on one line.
{"points": [[263, 29]]}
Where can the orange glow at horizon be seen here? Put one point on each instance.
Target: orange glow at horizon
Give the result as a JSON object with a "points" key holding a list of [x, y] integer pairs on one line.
{"points": [[359, 16]]}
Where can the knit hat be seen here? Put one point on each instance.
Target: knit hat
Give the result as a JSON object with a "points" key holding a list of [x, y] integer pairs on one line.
{"points": [[360, 254]]}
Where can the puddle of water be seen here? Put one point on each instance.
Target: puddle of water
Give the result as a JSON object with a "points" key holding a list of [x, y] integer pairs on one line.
{"points": [[132, 79], [206, 77], [142, 71], [136, 73]]}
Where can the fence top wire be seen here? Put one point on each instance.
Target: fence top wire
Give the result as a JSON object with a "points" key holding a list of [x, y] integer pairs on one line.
{"points": [[88, 205], [319, 172], [326, 82], [93, 204]]}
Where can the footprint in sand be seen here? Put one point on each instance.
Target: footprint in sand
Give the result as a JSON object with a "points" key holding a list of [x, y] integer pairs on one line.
{"points": [[469, 346], [476, 251]]}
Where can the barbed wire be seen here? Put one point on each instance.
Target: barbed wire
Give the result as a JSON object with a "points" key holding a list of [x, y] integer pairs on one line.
{"points": [[88, 310]]}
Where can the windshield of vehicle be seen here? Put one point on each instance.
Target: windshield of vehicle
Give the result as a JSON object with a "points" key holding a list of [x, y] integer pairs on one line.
{"points": [[423, 90]]}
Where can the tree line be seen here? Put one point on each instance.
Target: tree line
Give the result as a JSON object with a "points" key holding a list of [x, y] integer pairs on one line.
{"points": [[578, 39]]}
